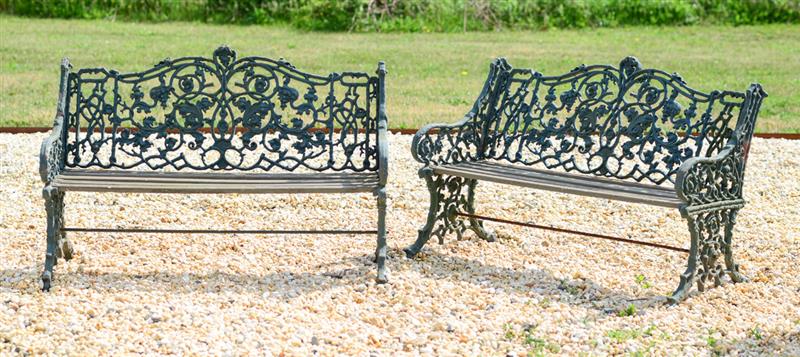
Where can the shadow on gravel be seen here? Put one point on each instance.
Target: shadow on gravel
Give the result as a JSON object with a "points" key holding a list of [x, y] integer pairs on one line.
{"points": [[355, 271], [542, 283]]}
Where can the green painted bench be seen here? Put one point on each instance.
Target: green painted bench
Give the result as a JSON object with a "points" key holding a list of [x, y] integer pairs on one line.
{"points": [[622, 133], [215, 125]]}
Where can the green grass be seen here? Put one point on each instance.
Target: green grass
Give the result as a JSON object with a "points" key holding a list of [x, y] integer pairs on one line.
{"points": [[432, 77]]}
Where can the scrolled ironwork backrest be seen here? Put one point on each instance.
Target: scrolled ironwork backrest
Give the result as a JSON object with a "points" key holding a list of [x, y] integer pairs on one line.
{"points": [[624, 122], [449, 143], [222, 113]]}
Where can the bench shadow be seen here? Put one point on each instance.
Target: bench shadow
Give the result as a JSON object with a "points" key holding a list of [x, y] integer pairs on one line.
{"points": [[522, 281], [350, 271], [356, 270]]}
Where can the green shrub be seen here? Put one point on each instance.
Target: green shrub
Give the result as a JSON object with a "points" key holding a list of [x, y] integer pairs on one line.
{"points": [[422, 15], [328, 15]]}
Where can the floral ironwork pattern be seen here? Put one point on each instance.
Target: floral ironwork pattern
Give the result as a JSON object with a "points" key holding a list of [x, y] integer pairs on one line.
{"points": [[222, 113], [710, 180], [449, 196], [711, 257], [461, 141], [712, 190], [625, 122]]}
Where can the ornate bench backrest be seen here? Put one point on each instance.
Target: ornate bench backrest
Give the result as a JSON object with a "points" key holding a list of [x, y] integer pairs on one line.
{"points": [[222, 113], [626, 122]]}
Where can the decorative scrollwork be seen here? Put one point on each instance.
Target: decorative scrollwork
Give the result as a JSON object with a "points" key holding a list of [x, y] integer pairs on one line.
{"points": [[703, 181], [51, 156], [626, 122], [222, 113], [450, 195], [622, 122], [453, 198], [461, 141], [711, 256], [710, 180]]}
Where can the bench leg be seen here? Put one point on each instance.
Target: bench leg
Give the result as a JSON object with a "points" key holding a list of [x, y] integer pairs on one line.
{"points": [[712, 233], [476, 224], [381, 251], [448, 196], [57, 244]]}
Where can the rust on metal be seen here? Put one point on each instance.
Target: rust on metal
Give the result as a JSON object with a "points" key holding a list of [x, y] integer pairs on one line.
{"points": [[563, 230]]}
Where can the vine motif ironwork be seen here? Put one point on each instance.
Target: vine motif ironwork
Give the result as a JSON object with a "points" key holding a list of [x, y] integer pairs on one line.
{"points": [[622, 122], [52, 152], [711, 257], [258, 113], [710, 180], [453, 198], [461, 141], [625, 122], [450, 195]]}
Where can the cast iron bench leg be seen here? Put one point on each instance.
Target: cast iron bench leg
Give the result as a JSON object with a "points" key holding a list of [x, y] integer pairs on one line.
{"points": [[712, 233], [54, 205], [449, 196], [380, 252]]}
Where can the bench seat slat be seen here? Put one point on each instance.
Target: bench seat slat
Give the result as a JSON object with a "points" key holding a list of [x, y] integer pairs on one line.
{"points": [[192, 182], [584, 185], [572, 178], [206, 174]]}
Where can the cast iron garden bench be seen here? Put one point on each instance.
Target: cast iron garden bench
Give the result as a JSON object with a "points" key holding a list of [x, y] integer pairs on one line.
{"points": [[628, 133], [215, 125]]}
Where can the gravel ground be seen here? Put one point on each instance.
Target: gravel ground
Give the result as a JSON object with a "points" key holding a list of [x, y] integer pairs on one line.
{"points": [[531, 291]]}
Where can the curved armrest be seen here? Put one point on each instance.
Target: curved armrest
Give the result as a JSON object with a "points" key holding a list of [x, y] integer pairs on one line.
{"points": [[437, 144], [704, 180], [51, 153]]}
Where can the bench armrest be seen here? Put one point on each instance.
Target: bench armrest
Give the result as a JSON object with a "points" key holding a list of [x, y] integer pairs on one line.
{"points": [[51, 153], [383, 127], [437, 144], [704, 180]]}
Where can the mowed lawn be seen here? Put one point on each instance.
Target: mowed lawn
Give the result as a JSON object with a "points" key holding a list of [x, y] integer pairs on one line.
{"points": [[432, 77]]}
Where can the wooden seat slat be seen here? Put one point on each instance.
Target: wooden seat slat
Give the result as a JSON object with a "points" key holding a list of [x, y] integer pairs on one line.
{"points": [[590, 181], [181, 183], [585, 186]]}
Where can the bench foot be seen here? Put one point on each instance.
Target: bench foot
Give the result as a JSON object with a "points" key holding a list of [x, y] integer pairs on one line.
{"points": [[712, 233], [449, 195], [47, 278], [64, 247]]}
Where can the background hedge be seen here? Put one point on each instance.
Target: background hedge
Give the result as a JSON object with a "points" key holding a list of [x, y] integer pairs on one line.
{"points": [[421, 15]]}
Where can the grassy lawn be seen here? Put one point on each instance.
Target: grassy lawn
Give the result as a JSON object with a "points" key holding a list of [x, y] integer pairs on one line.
{"points": [[432, 77]]}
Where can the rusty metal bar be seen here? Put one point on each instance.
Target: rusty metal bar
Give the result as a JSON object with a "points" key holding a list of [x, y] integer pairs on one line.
{"points": [[214, 231], [563, 230]]}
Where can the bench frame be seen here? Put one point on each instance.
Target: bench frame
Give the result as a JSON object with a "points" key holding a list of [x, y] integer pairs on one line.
{"points": [[53, 154], [709, 188]]}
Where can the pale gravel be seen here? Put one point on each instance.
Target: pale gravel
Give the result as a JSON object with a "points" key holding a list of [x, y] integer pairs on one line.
{"points": [[300, 295]]}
